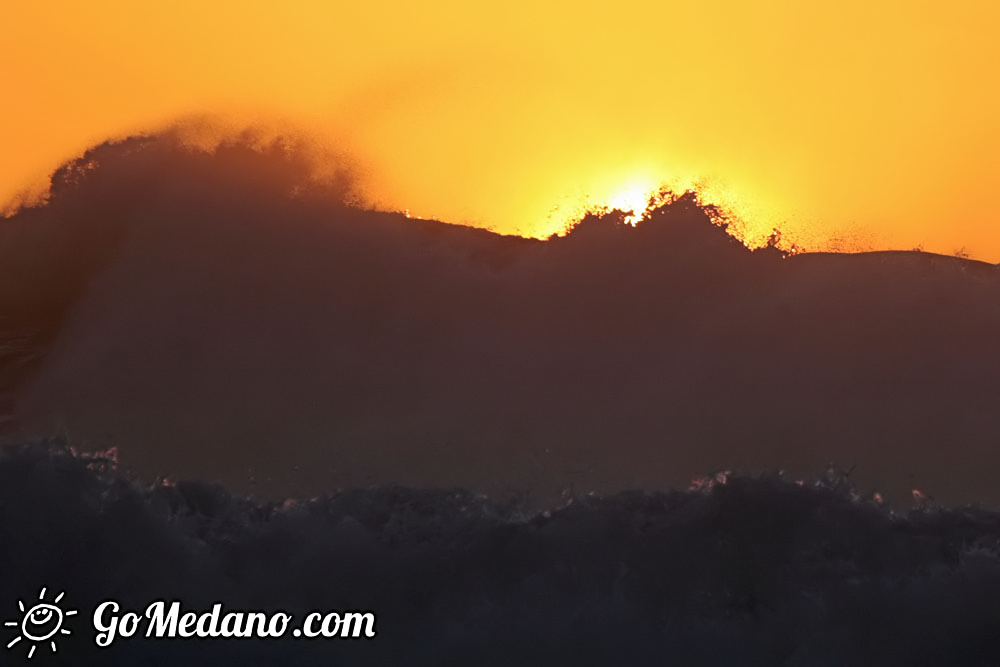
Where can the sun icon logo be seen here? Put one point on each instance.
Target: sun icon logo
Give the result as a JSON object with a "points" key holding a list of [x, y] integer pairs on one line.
{"points": [[40, 624]]}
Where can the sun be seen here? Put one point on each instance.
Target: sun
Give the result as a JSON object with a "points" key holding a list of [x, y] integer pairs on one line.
{"points": [[40, 624], [633, 199]]}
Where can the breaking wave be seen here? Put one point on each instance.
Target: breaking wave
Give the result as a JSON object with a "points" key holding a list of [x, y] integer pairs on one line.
{"points": [[226, 314]]}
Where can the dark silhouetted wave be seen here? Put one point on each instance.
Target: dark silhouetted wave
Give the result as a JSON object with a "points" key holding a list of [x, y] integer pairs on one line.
{"points": [[225, 315]]}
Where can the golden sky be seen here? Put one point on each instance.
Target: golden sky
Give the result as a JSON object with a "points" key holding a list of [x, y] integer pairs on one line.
{"points": [[857, 123]]}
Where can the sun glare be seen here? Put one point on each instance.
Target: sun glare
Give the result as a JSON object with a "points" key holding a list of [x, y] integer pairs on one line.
{"points": [[632, 200], [635, 197]]}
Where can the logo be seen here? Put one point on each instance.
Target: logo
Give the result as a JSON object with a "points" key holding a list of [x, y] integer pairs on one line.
{"points": [[41, 624]]}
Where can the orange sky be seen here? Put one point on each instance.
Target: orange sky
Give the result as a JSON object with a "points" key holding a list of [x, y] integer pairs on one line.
{"points": [[871, 124]]}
